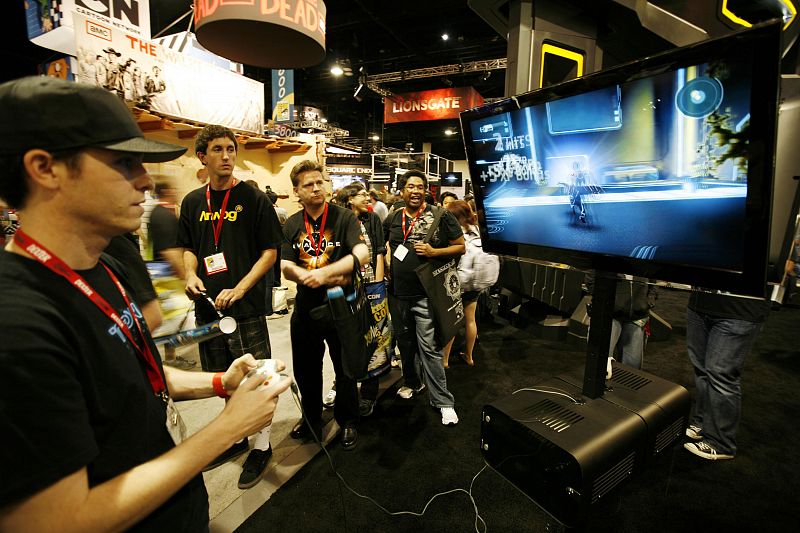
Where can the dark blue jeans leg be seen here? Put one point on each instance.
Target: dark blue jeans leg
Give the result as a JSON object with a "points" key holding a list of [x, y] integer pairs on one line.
{"points": [[405, 332], [717, 349]]}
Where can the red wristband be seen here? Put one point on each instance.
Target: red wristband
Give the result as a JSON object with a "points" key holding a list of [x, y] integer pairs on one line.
{"points": [[219, 388]]}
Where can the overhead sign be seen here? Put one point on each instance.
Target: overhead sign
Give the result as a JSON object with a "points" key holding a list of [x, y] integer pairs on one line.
{"points": [[50, 22], [283, 95], [350, 170], [438, 104], [161, 79], [263, 33]]}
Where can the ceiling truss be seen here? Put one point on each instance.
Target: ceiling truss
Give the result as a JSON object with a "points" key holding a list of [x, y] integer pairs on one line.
{"points": [[373, 81]]}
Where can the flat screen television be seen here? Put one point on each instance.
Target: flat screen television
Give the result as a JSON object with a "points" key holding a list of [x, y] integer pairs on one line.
{"points": [[451, 179], [661, 168]]}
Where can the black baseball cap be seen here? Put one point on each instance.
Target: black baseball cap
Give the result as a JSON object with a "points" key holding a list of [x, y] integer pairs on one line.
{"points": [[54, 114]]}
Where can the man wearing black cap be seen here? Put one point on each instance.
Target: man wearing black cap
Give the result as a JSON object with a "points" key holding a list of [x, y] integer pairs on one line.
{"points": [[91, 438]]}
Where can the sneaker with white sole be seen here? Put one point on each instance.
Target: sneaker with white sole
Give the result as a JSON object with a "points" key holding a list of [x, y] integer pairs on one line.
{"points": [[694, 432], [449, 416], [407, 393], [330, 399], [704, 450]]}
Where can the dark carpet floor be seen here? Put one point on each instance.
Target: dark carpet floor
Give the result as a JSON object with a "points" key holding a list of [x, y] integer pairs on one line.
{"points": [[405, 456]]}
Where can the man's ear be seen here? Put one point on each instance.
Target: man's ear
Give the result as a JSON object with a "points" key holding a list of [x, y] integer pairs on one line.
{"points": [[43, 170], [202, 157]]}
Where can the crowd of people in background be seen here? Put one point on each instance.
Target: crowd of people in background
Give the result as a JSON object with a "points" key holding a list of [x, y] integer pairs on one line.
{"points": [[78, 306]]}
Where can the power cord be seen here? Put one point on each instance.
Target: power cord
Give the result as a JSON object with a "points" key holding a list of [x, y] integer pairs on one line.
{"points": [[558, 392], [478, 519]]}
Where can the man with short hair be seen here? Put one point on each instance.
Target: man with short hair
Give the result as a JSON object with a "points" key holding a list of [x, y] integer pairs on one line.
{"points": [[91, 437], [378, 207], [229, 234], [405, 231], [162, 234], [320, 242], [447, 197]]}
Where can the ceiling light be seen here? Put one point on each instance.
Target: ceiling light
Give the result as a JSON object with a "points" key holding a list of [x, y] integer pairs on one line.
{"points": [[448, 131], [445, 36], [336, 70], [375, 138], [323, 120]]}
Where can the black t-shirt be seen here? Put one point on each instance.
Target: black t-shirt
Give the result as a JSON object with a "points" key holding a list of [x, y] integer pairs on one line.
{"points": [[75, 393], [725, 306], [250, 226], [162, 230], [341, 233], [126, 251], [405, 283]]}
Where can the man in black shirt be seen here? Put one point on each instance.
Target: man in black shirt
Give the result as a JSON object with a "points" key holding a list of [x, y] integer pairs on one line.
{"points": [[230, 234], [405, 231], [318, 253], [162, 234], [91, 438]]}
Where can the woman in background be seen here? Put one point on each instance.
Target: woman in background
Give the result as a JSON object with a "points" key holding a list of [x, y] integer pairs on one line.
{"points": [[467, 219], [356, 198]]}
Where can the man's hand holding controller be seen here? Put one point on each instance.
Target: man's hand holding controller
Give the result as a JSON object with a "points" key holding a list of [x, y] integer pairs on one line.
{"points": [[252, 404]]}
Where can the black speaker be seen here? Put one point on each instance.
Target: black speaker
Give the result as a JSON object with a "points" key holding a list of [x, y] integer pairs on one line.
{"points": [[567, 452], [663, 406], [699, 97]]}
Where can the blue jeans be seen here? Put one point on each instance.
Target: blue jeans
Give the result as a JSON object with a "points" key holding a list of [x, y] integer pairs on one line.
{"points": [[630, 336], [421, 355], [717, 349]]}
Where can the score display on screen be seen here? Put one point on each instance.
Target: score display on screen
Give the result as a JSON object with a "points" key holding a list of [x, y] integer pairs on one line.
{"points": [[651, 162]]}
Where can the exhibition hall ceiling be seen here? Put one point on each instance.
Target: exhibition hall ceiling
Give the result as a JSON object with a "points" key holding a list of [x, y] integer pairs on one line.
{"points": [[385, 37]]}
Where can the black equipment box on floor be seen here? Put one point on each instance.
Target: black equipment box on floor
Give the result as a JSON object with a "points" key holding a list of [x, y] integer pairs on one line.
{"points": [[567, 452]]}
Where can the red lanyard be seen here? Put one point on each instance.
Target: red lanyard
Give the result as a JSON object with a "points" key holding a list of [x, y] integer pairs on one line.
{"points": [[310, 231], [407, 231], [48, 259], [218, 226]]}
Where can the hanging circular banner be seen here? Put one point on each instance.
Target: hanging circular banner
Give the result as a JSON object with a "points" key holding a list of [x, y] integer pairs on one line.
{"points": [[263, 33]]}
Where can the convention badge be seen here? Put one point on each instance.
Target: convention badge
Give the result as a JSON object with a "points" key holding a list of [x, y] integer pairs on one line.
{"points": [[215, 263], [175, 425], [400, 252]]}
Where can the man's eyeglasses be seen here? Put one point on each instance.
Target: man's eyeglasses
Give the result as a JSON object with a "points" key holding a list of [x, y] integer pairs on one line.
{"points": [[415, 187]]}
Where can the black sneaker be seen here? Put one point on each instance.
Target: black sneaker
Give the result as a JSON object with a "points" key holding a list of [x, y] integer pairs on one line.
{"points": [[231, 453], [706, 451], [365, 406], [254, 467]]}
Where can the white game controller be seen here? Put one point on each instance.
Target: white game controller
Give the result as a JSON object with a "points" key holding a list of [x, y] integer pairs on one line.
{"points": [[267, 371]]}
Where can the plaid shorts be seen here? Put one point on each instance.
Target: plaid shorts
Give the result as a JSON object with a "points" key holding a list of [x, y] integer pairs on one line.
{"points": [[251, 336]]}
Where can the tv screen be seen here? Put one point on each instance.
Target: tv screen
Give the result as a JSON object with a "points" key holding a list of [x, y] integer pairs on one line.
{"points": [[451, 179], [662, 167]]}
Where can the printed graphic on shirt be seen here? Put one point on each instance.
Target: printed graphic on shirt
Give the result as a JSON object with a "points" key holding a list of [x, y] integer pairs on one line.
{"points": [[127, 319], [420, 229], [230, 214], [313, 253]]}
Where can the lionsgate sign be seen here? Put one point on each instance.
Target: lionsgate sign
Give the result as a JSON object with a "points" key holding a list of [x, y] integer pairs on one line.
{"points": [[438, 104]]}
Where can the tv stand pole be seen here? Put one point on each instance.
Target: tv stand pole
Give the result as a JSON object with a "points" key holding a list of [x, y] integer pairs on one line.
{"points": [[594, 374]]}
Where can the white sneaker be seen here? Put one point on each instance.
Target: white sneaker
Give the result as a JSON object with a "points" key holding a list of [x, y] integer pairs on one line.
{"points": [[407, 393], [694, 432], [449, 416], [330, 399]]}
